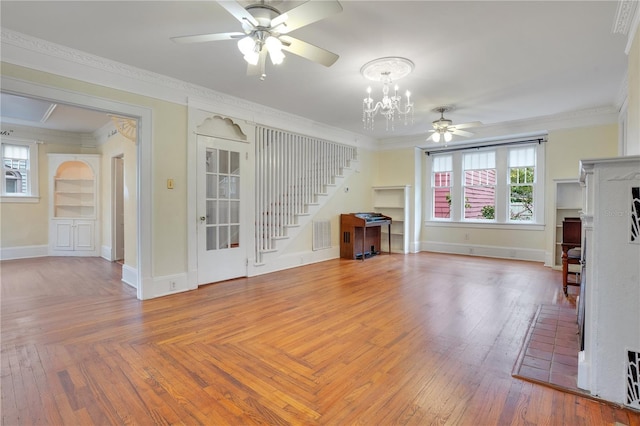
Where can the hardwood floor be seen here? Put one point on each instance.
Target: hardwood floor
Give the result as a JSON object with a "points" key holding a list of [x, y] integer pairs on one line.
{"points": [[415, 339]]}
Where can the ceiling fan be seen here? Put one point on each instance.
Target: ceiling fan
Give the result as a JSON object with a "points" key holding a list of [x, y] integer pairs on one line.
{"points": [[444, 128], [265, 29]]}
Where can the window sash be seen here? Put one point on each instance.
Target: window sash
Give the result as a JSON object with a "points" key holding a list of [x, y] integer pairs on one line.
{"points": [[442, 195], [480, 202], [471, 172], [19, 161], [480, 177], [522, 201]]}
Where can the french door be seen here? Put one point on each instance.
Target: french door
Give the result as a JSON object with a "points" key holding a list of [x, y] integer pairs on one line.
{"points": [[222, 189]]}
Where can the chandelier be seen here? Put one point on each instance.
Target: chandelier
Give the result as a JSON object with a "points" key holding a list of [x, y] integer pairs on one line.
{"points": [[386, 70]]}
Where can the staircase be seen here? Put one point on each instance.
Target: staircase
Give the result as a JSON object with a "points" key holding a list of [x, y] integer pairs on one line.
{"points": [[293, 173]]}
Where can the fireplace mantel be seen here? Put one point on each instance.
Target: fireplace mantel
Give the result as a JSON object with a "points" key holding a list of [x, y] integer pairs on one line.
{"points": [[612, 274]]}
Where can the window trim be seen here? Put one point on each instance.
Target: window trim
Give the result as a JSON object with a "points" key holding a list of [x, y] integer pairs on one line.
{"points": [[502, 220], [34, 176]]}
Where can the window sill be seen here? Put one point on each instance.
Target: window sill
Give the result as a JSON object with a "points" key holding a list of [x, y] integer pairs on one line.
{"points": [[486, 225], [19, 199]]}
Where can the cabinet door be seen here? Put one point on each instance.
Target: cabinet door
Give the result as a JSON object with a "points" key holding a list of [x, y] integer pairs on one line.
{"points": [[62, 232], [83, 233]]}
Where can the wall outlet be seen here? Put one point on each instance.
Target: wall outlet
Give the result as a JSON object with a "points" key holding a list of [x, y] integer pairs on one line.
{"points": [[172, 285], [466, 237]]}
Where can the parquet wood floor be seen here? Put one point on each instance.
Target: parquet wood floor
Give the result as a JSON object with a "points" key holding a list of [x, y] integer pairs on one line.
{"points": [[416, 339]]}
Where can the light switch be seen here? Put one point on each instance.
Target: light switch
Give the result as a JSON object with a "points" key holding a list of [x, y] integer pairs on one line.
{"points": [[169, 183]]}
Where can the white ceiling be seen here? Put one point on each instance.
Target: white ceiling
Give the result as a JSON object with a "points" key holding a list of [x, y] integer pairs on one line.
{"points": [[496, 61]]}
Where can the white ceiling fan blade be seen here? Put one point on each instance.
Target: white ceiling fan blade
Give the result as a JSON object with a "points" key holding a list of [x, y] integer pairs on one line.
{"points": [[207, 37], [470, 124], [460, 132], [238, 12], [305, 14], [308, 51]]}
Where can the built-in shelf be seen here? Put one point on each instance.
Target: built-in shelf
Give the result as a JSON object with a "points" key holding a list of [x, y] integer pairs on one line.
{"points": [[393, 201], [73, 204]]}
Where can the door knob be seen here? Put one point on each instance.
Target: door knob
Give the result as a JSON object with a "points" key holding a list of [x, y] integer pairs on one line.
{"points": [[203, 218]]}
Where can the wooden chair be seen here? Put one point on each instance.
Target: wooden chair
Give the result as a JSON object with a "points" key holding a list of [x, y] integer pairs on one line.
{"points": [[571, 252]]}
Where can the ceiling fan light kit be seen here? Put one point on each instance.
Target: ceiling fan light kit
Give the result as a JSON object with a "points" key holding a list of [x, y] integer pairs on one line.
{"points": [[444, 129], [265, 32], [386, 70]]}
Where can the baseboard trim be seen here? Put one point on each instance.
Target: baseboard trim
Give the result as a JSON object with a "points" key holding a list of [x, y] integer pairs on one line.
{"points": [[170, 284], [130, 276], [24, 252], [517, 253], [106, 253], [293, 260]]}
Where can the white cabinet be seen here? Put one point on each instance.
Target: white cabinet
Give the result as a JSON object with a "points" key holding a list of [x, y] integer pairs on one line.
{"points": [[73, 205], [393, 201], [73, 235], [568, 203]]}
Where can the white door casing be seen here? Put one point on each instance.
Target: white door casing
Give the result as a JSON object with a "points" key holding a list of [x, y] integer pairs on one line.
{"points": [[222, 200]]}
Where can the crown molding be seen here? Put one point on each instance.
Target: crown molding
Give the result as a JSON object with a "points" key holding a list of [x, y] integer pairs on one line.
{"points": [[41, 55], [627, 20], [602, 115], [624, 16]]}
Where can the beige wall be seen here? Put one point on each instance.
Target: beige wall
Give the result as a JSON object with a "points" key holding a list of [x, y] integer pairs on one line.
{"points": [[394, 168], [356, 199], [115, 146], [27, 224], [382, 168], [565, 149], [169, 130]]}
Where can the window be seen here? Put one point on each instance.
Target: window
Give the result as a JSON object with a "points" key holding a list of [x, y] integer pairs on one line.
{"points": [[500, 184], [441, 182], [522, 165], [19, 171], [480, 185]]}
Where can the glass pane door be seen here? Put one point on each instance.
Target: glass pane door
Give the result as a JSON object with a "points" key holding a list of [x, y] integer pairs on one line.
{"points": [[222, 199]]}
